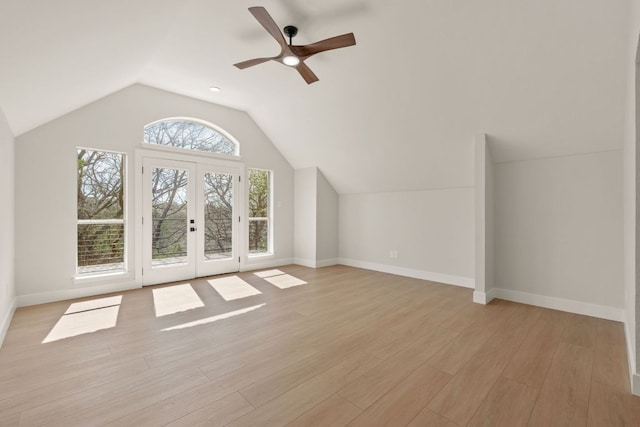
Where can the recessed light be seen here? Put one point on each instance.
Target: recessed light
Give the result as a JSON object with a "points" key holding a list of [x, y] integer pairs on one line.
{"points": [[291, 61], [214, 89]]}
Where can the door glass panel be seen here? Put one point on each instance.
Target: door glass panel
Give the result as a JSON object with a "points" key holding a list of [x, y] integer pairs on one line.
{"points": [[218, 216], [169, 216]]}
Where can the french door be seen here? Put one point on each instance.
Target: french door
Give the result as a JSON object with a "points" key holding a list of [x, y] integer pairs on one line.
{"points": [[190, 219]]}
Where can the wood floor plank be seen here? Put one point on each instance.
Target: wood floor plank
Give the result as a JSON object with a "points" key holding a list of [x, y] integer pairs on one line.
{"points": [[610, 406], [403, 402], [580, 330], [71, 409], [83, 383], [373, 385], [333, 412], [610, 356], [215, 414], [458, 353], [462, 396], [427, 417], [289, 406], [12, 419], [279, 383], [508, 404], [564, 397], [129, 402], [521, 320], [532, 360], [181, 404]]}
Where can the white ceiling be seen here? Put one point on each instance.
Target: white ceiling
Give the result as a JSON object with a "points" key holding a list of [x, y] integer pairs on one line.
{"points": [[396, 112]]}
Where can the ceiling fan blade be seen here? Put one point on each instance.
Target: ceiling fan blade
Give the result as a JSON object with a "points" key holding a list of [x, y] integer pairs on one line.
{"points": [[306, 73], [324, 45], [251, 62], [263, 17]]}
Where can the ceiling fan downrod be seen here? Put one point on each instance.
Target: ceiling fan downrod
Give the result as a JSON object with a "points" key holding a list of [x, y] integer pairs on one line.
{"points": [[290, 31]]}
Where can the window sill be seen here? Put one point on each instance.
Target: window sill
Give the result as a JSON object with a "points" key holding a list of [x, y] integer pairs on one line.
{"points": [[260, 256], [101, 279]]}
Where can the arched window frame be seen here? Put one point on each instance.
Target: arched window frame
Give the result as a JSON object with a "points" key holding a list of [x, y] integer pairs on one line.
{"points": [[204, 123]]}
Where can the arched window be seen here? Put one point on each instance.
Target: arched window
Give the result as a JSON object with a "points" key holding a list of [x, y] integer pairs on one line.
{"points": [[191, 135]]}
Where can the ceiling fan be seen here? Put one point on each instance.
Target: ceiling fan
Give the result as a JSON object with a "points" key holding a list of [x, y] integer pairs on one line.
{"points": [[291, 55]]}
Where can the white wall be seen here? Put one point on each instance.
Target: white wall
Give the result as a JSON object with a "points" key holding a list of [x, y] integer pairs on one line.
{"points": [[559, 234], [327, 222], [7, 226], [316, 219], [431, 230], [305, 216], [46, 179]]}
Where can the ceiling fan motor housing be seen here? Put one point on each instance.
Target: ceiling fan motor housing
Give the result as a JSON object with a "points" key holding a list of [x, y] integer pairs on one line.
{"points": [[290, 31]]}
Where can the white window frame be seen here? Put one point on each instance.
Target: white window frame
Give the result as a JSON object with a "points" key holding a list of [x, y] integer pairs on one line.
{"points": [[270, 242], [97, 277], [234, 156]]}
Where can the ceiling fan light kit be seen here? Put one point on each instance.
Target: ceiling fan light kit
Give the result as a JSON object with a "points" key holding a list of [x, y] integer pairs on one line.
{"points": [[291, 61], [290, 54]]}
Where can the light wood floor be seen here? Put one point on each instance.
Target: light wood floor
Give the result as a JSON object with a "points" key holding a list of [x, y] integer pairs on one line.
{"points": [[351, 347]]}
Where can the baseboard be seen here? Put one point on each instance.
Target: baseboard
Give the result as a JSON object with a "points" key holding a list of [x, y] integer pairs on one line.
{"points": [[327, 262], [465, 282], [305, 262], [634, 379], [6, 320], [315, 263], [271, 263], [484, 298], [571, 306], [81, 292]]}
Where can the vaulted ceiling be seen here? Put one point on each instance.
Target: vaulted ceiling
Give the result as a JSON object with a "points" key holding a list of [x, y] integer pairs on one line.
{"points": [[398, 111]]}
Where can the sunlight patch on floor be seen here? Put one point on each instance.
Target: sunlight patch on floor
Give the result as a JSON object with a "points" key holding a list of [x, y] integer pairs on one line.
{"points": [[214, 318], [268, 273], [174, 299], [232, 288], [284, 281], [84, 322], [93, 304]]}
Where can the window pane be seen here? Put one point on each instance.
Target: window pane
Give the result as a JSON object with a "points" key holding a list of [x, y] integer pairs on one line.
{"points": [[188, 135], [218, 224], [169, 216], [100, 200], [100, 185], [259, 211], [100, 248], [258, 193], [258, 236]]}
